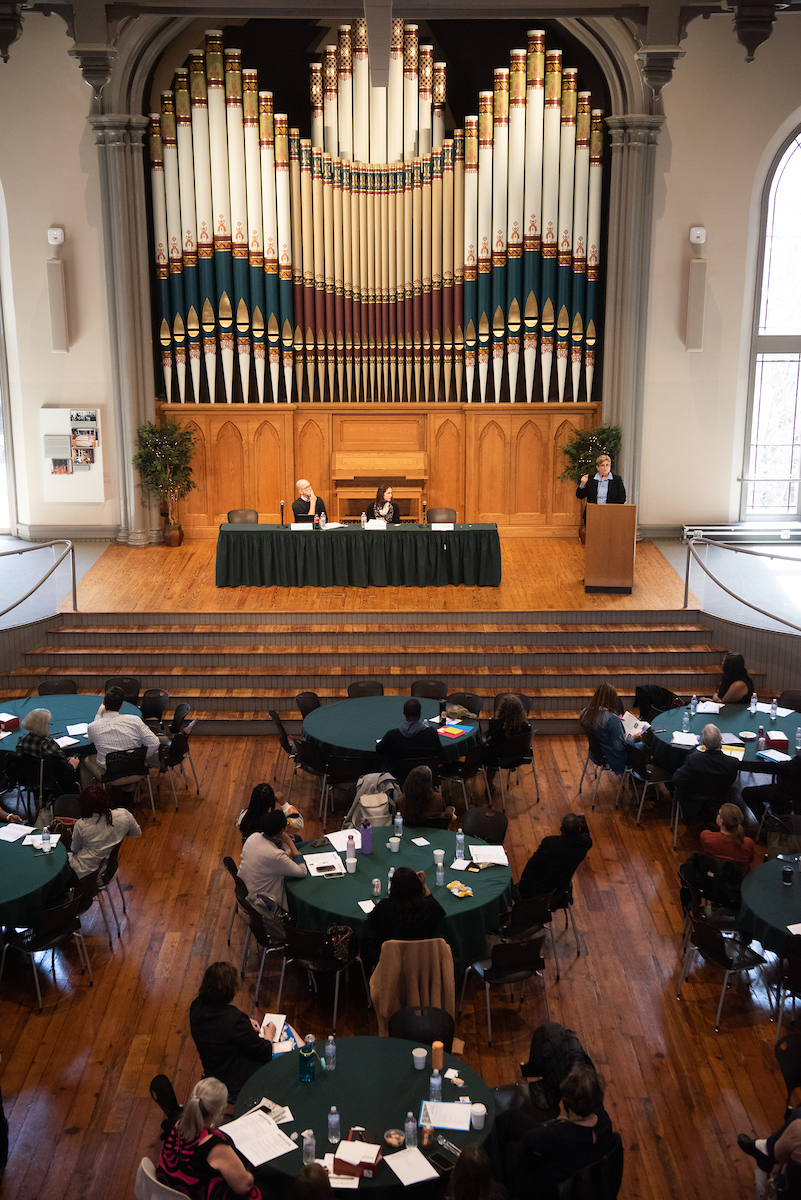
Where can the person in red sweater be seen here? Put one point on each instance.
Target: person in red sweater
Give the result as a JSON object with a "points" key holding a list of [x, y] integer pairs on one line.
{"points": [[730, 841]]}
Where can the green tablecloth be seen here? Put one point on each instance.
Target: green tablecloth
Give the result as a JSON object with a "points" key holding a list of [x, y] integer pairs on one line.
{"points": [[374, 1085], [316, 903], [732, 718], [28, 880], [352, 727], [411, 555], [768, 907], [65, 710]]}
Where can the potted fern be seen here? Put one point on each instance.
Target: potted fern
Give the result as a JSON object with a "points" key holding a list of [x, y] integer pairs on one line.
{"points": [[584, 447], [164, 463]]}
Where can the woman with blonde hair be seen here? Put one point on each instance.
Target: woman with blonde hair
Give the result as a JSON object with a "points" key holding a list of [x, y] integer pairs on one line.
{"points": [[730, 841], [602, 717], [198, 1159]]}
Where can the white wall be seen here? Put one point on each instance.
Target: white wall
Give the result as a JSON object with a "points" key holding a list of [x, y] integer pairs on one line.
{"points": [[724, 120], [49, 175]]}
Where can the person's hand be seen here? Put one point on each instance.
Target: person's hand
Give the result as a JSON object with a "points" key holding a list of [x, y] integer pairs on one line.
{"points": [[74, 761], [421, 875], [255, 1025], [12, 818], [636, 737], [269, 1031], [584, 479]]}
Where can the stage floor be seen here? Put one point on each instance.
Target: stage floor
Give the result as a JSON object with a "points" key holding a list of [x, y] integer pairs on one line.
{"points": [[539, 575]]}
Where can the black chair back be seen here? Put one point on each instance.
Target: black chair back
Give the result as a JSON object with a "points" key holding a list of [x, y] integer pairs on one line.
{"points": [[58, 687], [310, 758], [243, 516], [129, 686], [512, 961], [788, 699], [486, 823], [429, 689], [176, 751], [600, 1180], [179, 716], [67, 806], [108, 873], [468, 700], [365, 687], [528, 915], [788, 1057], [307, 702], [163, 1093], [125, 765], [423, 1025], [153, 704], [402, 766], [86, 890], [440, 515], [283, 736], [516, 750]]}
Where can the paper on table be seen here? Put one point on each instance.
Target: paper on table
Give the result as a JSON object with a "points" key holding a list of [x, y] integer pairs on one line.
{"points": [[733, 751], [460, 864], [441, 526], [763, 708], [278, 1019], [421, 841], [13, 833], [6, 734], [332, 525], [340, 1181], [77, 730], [773, 755], [444, 1116], [35, 839], [339, 839], [451, 1073], [357, 1152], [324, 864], [411, 1166], [489, 854], [707, 706], [302, 527], [684, 739], [366, 906], [258, 1137], [794, 929], [63, 742]]}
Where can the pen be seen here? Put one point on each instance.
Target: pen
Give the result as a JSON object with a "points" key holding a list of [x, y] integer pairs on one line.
{"points": [[658, 730]]}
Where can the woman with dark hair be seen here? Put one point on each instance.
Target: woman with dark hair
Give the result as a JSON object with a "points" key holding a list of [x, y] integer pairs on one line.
{"points": [[471, 1177], [408, 914], [382, 508], [263, 800], [420, 804], [602, 717], [736, 685], [198, 1159], [311, 1183], [269, 857], [509, 719], [230, 1044], [99, 829]]}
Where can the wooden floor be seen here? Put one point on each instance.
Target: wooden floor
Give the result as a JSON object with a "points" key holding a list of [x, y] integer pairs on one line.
{"points": [[539, 574], [75, 1080]]}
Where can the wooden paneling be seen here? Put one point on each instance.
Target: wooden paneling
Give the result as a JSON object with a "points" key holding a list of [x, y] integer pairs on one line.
{"points": [[270, 463], [530, 456], [446, 462], [234, 484], [563, 506]]}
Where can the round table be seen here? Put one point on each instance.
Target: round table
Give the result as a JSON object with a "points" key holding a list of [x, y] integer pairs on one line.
{"points": [[768, 906], [317, 902], [352, 727], [64, 710], [28, 880], [732, 718], [374, 1085]]}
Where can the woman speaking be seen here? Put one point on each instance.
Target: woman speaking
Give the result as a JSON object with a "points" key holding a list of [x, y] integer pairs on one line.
{"points": [[604, 487]]}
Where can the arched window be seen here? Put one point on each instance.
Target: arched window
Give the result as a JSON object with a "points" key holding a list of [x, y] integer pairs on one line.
{"points": [[773, 454]]}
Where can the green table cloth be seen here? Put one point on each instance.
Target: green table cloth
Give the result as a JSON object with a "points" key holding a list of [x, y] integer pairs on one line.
{"points": [[64, 710], [316, 902], [769, 906], [732, 718], [29, 879], [352, 727], [401, 555], [374, 1085]]}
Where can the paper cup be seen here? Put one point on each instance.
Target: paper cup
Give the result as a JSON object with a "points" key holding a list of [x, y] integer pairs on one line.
{"points": [[478, 1113], [439, 857], [419, 1056], [394, 844], [350, 865]]}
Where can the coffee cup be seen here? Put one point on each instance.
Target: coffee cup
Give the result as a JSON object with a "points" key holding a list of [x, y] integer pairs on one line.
{"points": [[478, 1113], [439, 857], [350, 865], [394, 844], [419, 1056]]}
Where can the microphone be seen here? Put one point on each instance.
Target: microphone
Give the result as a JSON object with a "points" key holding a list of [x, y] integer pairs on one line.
{"points": [[282, 512], [425, 505]]}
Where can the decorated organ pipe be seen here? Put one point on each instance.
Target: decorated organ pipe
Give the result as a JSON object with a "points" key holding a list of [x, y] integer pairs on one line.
{"points": [[383, 258]]}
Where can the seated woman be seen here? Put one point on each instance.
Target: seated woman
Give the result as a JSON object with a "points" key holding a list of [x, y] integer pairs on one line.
{"points": [[230, 1044], [736, 685], [263, 800], [471, 1177], [420, 804], [269, 857], [602, 717], [382, 508], [540, 1157], [99, 830], [38, 743], [198, 1159], [408, 914], [312, 1183], [510, 719], [730, 841]]}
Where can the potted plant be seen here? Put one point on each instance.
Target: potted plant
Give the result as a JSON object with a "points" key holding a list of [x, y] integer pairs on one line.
{"points": [[584, 447], [164, 465]]}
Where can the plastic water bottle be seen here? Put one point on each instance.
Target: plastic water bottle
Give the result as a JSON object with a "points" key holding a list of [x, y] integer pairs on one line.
{"points": [[330, 1054], [693, 706], [309, 1147], [45, 840], [398, 824], [753, 703], [410, 1130], [761, 738], [333, 1126], [440, 874], [390, 873], [323, 520], [307, 1057], [774, 709], [436, 1085], [459, 843], [364, 520], [798, 746], [685, 722]]}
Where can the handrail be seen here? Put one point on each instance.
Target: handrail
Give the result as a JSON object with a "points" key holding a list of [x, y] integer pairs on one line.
{"points": [[702, 541], [70, 550]]}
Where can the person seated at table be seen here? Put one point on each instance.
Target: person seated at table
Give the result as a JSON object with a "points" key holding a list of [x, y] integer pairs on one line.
{"points": [[269, 857], [311, 1183], [230, 1044], [382, 508], [420, 804], [509, 720], [263, 800], [98, 830], [554, 862], [538, 1157], [736, 685], [604, 487], [706, 775], [12, 818], [602, 717], [38, 743], [780, 1149], [412, 739], [199, 1160], [307, 504], [115, 730], [409, 913], [471, 1177], [730, 841], [553, 1051], [783, 796]]}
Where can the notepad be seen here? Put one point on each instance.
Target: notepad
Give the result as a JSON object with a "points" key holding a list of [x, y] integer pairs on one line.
{"points": [[79, 730], [442, 1115], [707, 707], [258, 1138], [489, 854], [411, 1166], [63, 742], [684, 739]]}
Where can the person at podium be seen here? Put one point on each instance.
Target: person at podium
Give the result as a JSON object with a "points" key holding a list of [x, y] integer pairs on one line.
{"points": [[382, 508], [307, 504], [604, 487]]}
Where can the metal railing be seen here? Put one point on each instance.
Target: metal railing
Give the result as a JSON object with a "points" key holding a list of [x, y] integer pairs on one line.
{"points": [[692, 542], [69, 550]]}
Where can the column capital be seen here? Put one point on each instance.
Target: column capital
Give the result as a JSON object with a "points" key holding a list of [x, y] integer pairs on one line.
{"points": [[96, 60]]}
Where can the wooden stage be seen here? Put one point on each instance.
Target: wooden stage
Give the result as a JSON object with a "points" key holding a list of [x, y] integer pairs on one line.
{"points": [[539, 575]]}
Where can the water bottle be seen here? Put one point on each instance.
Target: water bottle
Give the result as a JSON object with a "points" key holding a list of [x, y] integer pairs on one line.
{"points": [[685, 722], [45, 840], [309, 1147], [364, 520], [436, 1085], [761, 738], [330, 1054], [366, 831], [798, 745], [333, 1126], [398, 824], [753, 703], [390, 873], [351, 850], [774, 709], [323, 519], [459, 843], [693, 706], [410, 1130], [440, 874], [307, 1057]]}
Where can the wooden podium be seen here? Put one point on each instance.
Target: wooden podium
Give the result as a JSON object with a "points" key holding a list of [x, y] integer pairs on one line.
{"points": [[609, 548]]}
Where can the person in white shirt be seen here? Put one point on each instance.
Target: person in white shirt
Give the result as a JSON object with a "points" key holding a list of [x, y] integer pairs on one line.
{"points": [[99, 829], [113, 730], [270, 857]]}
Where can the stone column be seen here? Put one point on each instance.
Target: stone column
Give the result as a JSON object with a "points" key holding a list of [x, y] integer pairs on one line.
{"points": [[633, 139], [119, 143]]}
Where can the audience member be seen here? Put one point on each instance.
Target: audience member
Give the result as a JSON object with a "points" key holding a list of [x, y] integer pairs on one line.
{"points": [[471, 1177], [736, 685], [420, 804], [553, 1051], [781, 1148], [263, 800], [199, 1159], [783, 796], [413, 739], [409, 913], [509, 720], [38, 743], [113, 730], [730, 841], [269, 857], [99, 829], [311, 1183], [602, 717], [230, 1044], [706, 775], [553, 863]]}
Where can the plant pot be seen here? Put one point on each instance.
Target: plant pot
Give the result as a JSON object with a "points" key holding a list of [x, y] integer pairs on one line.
{"points": [[174, 535]]}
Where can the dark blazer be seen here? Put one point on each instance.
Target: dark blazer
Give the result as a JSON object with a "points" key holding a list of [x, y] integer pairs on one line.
{"points": [[392, 519], [300, 507], [228, 1045], [552, 864], [394, 746], [615, 495], [389, 921], [705, 777]]}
